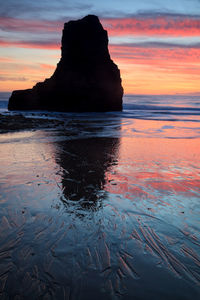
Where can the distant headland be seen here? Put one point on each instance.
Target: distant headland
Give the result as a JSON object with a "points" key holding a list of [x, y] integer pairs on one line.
{"points": [[86, 79]]}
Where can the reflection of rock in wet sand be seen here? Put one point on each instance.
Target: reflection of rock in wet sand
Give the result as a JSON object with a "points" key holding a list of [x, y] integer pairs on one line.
{"points": [[84, 163], [122, 251]]}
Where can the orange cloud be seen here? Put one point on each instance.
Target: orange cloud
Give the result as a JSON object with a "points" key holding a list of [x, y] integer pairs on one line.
{"points": [[6, 59], [47, 67], [158, 70], [145, 67], [20, 74], [143, 70]]}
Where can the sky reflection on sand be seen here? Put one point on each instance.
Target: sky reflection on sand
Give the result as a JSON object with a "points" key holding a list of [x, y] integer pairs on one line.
{"points": [[112, 215]]}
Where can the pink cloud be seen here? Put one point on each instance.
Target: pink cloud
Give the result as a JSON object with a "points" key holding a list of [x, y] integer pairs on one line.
{"points": [[153, 25], [170, 25], [30, 44], [155, 55]]}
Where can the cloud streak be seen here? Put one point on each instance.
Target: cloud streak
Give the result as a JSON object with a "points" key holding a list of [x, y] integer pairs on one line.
{"points": [[154, 25], [153, 55], [33, 26], [38, 44], [140, 24], [7, 78], [39, 9], [161, 60]]}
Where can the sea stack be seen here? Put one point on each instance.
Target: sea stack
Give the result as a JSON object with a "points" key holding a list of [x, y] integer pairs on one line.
{"points": [[86, 79]]}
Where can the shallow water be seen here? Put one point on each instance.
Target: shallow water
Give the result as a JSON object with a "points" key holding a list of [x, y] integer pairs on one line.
{"points": [[106, 209]]}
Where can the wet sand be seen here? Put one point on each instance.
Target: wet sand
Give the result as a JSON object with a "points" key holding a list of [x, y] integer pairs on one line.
{"points": [[100, 213]]}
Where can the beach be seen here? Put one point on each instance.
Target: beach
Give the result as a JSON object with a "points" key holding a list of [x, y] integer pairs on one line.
{"points": [[101, 205]]}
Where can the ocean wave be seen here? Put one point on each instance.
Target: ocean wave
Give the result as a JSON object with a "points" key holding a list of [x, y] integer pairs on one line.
{"points": [[147, 107]]}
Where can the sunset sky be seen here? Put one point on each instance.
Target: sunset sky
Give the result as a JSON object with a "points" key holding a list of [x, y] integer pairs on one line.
{"points": [[156, 43]]}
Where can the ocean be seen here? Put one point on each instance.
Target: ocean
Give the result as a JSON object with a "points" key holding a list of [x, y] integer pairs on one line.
{"points": [[147, 106], [105, 206], [176, 111]]}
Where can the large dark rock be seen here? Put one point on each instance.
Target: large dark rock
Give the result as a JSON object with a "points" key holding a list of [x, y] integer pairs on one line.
{"points": [[86, 79]]}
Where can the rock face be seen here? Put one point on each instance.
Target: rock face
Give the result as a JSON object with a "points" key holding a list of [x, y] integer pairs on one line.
{"points": [[86, 79]]}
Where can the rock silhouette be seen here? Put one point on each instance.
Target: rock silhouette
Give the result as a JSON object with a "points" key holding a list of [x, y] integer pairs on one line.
{"points": [[86, 79]]}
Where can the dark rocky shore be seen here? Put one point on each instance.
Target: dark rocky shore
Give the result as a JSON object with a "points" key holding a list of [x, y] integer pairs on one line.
{"points": [[86, 79], [11, 123]]}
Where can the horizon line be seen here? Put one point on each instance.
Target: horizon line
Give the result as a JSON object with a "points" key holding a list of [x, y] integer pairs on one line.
{"points": [[140, 95]]}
